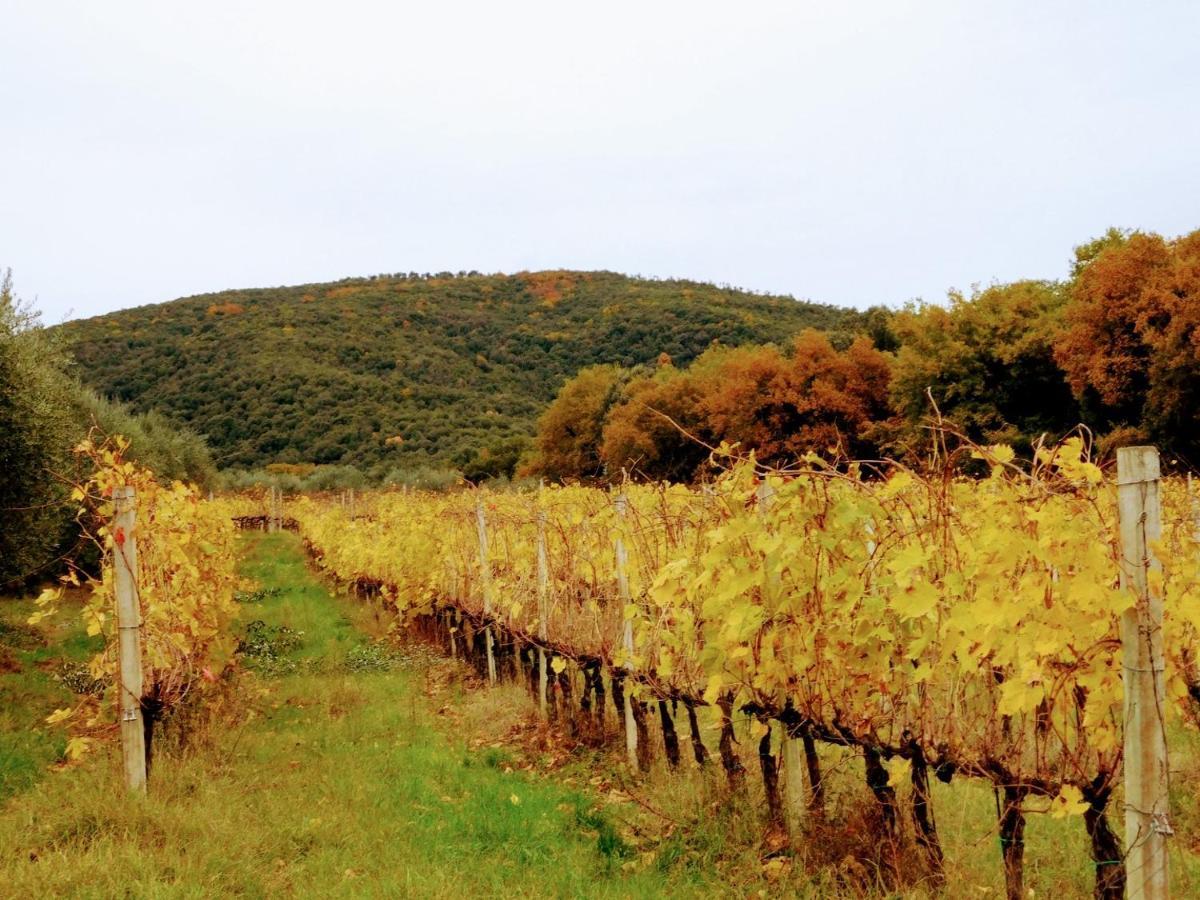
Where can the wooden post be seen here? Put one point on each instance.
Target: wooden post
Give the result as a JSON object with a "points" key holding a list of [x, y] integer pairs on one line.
{"points": [[626, 597], [791, 747], [543, 581], [129, 623], [1147, 823], [485, 568], [1195, 507]]}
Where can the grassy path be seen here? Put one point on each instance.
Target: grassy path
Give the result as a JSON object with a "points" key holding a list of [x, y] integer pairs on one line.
{"points": [[338, 780], [37, 665]]}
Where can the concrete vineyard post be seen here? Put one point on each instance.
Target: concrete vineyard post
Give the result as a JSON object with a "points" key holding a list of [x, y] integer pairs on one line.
{"points": [[485, 568], [129, 623], [791, 748], [1147, 823], [626, 597], [543, 582]]}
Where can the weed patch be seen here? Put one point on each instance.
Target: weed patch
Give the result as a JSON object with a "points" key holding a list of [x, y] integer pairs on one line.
{"points": [[77, 677], [266, 647], [259, 595], [375, 657], [18, 636]]}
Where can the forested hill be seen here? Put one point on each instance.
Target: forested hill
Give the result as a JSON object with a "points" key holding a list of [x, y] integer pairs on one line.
{"points": [[406, 370]]}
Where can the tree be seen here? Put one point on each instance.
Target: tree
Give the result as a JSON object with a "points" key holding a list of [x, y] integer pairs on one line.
{"points": [[36, 433], [989, 361], [498, 460], [657, 430], [44, 412], [570, 431], [816, 399], [1131, 345]]}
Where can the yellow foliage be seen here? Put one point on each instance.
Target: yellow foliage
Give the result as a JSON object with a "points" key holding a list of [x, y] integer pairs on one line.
{"points": [[186, 558], [979, 617]]}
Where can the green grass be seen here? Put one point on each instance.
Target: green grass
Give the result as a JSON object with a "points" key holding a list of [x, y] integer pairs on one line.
{"points": [[332, 784], [30, 657]]}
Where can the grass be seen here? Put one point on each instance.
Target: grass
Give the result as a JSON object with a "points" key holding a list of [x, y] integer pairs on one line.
{"points": [[328, 782], [357, 768], [32, 659], [683, 822]]}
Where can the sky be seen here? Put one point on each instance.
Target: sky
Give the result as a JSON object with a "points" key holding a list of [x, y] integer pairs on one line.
{"points": [[852, 153]]}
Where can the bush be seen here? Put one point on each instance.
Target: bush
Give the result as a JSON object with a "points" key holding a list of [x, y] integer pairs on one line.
{"points": [[265, 647], [425, 478]]}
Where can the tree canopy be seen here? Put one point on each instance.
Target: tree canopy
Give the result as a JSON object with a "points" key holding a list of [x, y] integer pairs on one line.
{"points": [[1115, 347]]}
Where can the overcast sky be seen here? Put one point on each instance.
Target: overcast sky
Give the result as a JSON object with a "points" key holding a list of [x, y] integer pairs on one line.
{"points": [[854, 153]]}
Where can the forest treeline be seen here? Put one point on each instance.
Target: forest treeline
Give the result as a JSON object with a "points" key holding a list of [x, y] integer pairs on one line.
{"points": [[44, 412], [1115, 347], [406, 372]]}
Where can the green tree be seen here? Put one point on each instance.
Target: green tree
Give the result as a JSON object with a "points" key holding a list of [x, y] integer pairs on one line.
{"points": [[36, 430], [498, 460], [44, 412], [988, 361]]}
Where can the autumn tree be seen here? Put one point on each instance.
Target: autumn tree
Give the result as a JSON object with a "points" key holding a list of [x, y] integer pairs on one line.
{"points": [[1131, 345], [780, 406], [571, 429], [656, 431], [815, 399]]}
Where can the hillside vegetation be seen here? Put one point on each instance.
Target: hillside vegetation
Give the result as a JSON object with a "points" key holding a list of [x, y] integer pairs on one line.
{"points": [[1114, 348], [399, 371]]}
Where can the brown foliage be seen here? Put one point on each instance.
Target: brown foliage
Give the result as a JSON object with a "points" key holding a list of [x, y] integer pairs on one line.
{"points": [[1132, 336], [548, 287], [569, 431], [817, 399], [645, 433], [814, 399]]}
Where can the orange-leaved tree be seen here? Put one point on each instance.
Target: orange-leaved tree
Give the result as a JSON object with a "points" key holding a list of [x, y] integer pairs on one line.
{"points": [[1130, 348], [570, 430]]}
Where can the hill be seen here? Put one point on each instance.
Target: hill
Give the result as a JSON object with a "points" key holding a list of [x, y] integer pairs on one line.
{"points": [[406, 370]]}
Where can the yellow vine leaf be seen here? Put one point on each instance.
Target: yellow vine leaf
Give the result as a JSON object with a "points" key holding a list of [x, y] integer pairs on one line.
{"points": [[1069, 802]]}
